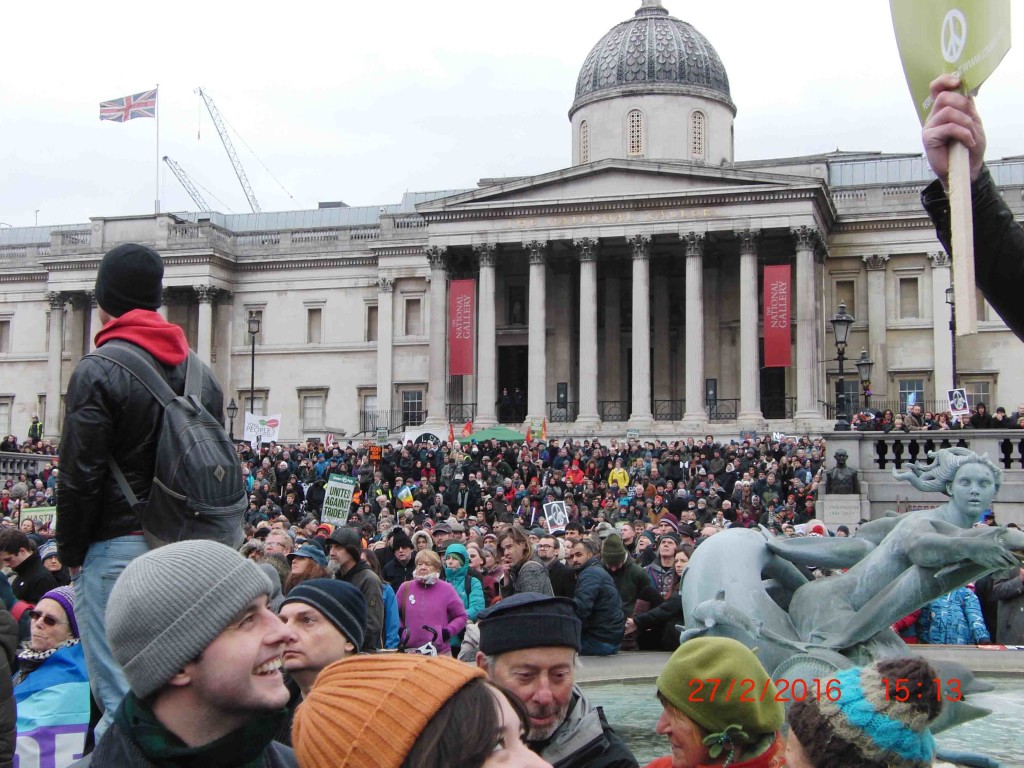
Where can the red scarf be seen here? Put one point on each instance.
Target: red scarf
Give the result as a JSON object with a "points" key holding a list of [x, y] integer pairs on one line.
{"points": [[164, 340]]}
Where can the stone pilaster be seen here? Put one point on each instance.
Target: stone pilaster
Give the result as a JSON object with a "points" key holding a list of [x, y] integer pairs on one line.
{"points": [[878, 347], [587, 249], [385, 344], [807, 413], [487, 341], [54, 355], [437, 413], [695, 416], [942, 334]]}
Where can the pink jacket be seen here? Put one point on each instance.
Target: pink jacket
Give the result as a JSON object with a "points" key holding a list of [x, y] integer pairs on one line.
{"points": [[438, 606]]}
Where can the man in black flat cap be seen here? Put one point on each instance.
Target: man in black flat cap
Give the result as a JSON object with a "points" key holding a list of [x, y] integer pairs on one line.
{"points": [[111, 416], [529, 643]]}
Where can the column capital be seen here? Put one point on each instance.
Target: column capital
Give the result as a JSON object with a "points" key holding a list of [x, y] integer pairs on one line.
{"points": [[939, 259], [748, 241], [205, 293], [225, 297], [807, 238], [641, 245], [90, 296], [538, 251], [875, 261], [167, 294], [694, 242], [56, 299], [587, 248], [486, 253], [436, 256], [385, 284]]}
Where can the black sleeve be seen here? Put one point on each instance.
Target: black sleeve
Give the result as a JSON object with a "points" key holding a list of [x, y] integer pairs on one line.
{"points": [[998, 245]]}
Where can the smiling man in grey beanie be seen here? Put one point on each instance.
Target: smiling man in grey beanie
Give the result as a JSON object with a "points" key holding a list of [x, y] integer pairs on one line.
{"points": [[190, 626]]}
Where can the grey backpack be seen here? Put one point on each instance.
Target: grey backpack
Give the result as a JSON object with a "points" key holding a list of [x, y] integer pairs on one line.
{"points": [[197, 491]]}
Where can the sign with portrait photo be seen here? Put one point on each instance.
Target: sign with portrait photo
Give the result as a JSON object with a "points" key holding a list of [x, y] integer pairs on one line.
{"points": [[958, 405], [557, 515]]}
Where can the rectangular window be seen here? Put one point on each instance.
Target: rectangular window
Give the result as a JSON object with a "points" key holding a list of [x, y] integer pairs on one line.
{"points": [[5, 337], [851, 387], [979, 391], [314, 325], [982, 307], [371, 322], [312, 412], [910, 387], [6, 409], [259, 403], [908, 298], [412, 406], [846, 294], [252, 315], [413, 317]]}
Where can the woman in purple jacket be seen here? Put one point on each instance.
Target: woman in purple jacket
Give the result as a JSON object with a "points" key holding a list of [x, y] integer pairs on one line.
{"points": [[427, 603]]}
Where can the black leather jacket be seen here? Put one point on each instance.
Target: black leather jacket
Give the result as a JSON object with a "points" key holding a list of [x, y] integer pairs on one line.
{"points": [[109, 413], [998, 245]]}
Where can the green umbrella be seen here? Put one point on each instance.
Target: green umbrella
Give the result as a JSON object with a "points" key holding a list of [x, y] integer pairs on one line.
{"points": [[502, 434]]}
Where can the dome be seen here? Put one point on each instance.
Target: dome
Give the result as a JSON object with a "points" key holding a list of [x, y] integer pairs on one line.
{"points": [[652, 52]]}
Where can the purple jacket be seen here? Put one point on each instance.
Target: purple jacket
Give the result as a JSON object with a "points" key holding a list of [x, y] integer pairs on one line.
{"points": [[438, 606]]}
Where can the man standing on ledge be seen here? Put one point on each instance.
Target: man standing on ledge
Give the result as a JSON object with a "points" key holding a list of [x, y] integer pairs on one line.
{"points": [[111, 416]]}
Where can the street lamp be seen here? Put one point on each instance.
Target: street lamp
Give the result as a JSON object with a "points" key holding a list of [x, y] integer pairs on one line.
{"points": [[951, 300], [254, 329], [232, 412], [864, 365], [841, 322]]}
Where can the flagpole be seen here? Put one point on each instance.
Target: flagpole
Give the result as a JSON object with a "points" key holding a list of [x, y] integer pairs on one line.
{"points": [[156, 197]]}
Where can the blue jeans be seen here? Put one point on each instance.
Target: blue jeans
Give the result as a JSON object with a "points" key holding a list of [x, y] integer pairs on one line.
{"points": [[591, 647], [104, 562]]}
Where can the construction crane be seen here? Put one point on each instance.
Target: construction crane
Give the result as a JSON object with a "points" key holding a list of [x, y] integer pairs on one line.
{"points": [[186, 182], [230, 149]]}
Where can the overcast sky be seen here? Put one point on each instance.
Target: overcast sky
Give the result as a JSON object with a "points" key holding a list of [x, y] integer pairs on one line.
{"points": [[363, 101]]}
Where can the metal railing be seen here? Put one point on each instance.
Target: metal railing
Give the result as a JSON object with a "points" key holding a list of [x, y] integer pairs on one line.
{"points": [[723, 409], [669, 410], [613, 410], [394, 420], [460, 413], [778, 407], [568, 411]]}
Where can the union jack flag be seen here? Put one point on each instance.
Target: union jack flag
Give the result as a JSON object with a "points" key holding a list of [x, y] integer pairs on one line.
{"points": [[129, 107]]}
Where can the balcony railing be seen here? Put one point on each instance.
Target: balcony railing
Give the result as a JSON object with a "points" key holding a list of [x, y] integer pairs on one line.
{"points": [[778, 407], [723, 409], [460, 413], [394, 420], [568, 411], [613, 410], [669, 410]]}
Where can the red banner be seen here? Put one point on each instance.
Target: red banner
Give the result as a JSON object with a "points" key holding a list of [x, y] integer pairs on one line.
{"points": [[461, 326], [777, 317]]}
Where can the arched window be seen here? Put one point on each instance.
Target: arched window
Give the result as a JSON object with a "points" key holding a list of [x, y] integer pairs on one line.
{"points": [[584, 142], [635, 139], [697, 144]]}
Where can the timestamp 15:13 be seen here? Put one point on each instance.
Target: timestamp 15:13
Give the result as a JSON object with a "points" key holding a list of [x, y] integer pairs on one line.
{"points": [[902, 689]]}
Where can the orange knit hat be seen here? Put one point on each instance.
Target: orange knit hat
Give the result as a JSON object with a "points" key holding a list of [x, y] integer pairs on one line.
{"points": [[367, 711]]}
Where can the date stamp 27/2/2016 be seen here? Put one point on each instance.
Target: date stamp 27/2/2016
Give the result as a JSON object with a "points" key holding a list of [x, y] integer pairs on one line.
{"points": [[786, 691]]}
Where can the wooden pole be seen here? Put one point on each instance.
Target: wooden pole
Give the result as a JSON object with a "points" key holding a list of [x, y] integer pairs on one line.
{"points": [[962, 228]]}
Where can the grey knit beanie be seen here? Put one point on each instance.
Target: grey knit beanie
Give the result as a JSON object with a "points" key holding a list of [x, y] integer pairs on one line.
{"points": [[169, 604]]}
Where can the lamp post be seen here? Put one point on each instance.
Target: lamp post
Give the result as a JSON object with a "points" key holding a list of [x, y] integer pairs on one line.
{"points": [[864, 365], [841, 322], [254, 329], [951, 300], [232, 412]]}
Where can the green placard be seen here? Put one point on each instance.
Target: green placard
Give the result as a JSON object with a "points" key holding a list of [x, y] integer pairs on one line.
{"points": [[935, 37]]}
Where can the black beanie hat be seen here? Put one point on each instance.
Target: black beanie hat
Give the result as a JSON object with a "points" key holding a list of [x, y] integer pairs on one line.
{"points": [[130, 277], [400, 539], [529, 620], [341, 603]]}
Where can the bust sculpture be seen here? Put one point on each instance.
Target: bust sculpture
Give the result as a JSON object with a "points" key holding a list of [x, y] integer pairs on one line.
{"points": [[841, 478]]}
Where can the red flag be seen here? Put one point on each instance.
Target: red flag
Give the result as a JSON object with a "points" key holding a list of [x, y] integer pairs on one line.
{"points": [[451, 434], [468, 429], [544, 430], [777, 317]]}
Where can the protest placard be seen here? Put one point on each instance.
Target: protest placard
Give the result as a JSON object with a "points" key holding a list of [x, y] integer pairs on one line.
{"points": [[261, 429], [338, 499], [556, 515], [958, 405]]}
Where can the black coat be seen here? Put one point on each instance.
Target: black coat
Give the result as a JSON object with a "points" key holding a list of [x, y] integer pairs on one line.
{"points": [[111, 414], [563, 579], [8, 714], [33, 580]]}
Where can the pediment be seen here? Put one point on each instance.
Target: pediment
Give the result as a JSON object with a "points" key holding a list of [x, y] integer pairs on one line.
{"points": [[615, 179]]}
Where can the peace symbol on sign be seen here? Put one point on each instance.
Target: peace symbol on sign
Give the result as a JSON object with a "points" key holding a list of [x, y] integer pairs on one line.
{"points": [[954, 36]]}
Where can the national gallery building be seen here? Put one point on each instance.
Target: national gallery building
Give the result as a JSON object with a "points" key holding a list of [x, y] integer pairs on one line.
{"points": [[624, 291]]}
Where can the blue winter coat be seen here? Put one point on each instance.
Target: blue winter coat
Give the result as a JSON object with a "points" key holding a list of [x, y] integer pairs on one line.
{"points": [[474, 602], [598, 604], [953, 619], [391, 617]]}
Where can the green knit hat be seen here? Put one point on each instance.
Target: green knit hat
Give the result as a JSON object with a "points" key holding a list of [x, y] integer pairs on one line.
{"points": [[613, 551], [687, 683]]}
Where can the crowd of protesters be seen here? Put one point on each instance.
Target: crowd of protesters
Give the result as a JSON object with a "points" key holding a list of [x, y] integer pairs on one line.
{"points": [[917, 419]]}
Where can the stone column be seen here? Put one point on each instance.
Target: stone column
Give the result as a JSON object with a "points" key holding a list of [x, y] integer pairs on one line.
{"points": [[588, 248], [696, 415], [806, 334], [612, 334], [750, 373], [94, 318], [536, 397], [385, 344], [163, 309], [487, 343], [204, 337], [942, 336], [437, 414], [641, 364], [663, 351], [877, 321], [54, 356]]}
